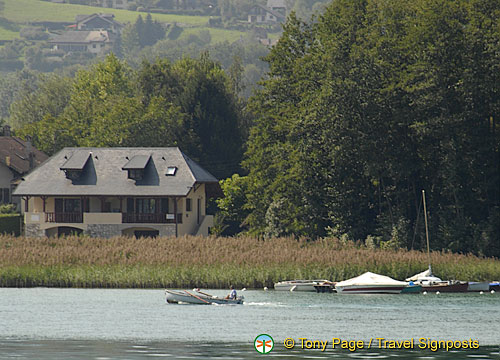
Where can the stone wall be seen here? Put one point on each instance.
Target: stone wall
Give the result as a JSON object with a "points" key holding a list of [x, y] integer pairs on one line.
{"points": [[33, 230], [103, 230], [167, 230]]}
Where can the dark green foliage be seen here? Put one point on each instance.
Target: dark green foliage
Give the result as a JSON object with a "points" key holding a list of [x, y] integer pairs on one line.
{"points": [[210, 130], [140, 34], [189, 104], [368, 105], [10, 224]]}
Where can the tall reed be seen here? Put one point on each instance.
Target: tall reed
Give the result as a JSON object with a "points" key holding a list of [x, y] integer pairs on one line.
{"points": [[213, 262]]}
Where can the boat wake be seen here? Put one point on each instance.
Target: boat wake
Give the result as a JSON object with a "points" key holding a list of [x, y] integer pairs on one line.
{"points": [[271, 304]]}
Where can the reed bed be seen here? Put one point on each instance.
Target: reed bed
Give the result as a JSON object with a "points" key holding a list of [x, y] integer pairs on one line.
{"points": [[125, 262]]}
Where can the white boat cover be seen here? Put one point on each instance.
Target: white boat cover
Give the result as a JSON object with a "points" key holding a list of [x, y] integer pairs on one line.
{"points": [[369, 278], [424, 275]]}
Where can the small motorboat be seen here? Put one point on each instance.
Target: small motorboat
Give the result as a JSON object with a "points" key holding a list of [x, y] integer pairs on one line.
{"points": [[198, 297], [370, 283], [305, 285]]}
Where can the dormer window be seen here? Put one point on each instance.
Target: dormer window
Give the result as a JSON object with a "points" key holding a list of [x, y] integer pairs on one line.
{"points": [[73, 167], [171, 170], [136, 166], [136, 174], [73, 174]]}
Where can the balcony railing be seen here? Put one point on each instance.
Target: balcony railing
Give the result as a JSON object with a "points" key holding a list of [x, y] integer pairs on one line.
{"points": [[149, 218], [63, 217], [136, 218]]}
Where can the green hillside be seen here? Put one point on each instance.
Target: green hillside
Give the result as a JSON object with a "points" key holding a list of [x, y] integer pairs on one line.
{"points": [[21, 12]]}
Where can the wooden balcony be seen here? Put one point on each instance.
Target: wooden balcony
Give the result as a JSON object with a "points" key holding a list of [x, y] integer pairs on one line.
{"points": [[138, 218], [126, 218], [74, 218]]}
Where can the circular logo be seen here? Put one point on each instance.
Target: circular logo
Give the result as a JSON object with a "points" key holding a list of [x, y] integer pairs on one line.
{"points": [[263, 344]]}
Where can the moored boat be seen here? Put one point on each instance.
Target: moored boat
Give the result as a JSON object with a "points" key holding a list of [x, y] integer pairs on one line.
{"points": [[478, 286], [452, 286], [197, 297], [412, 289], [370, 283], [304, 285], [431, 283]]}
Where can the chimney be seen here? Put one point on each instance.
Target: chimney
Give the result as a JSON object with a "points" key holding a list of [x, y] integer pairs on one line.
{"points": [[29, 152], [6, 130]]}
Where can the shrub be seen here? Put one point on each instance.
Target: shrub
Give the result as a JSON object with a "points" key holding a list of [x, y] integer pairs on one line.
{"points": [[10, 224]]}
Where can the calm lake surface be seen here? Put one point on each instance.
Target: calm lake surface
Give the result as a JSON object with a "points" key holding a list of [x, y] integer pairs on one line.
{"points": [[43, 323]]}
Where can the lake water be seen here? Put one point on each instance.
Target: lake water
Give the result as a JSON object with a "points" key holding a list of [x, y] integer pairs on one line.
{"points": [[43, 323]]}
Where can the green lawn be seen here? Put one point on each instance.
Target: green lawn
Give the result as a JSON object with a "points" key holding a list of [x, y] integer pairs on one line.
{"points": [[24, 11], [8, 34], [218, 35]]}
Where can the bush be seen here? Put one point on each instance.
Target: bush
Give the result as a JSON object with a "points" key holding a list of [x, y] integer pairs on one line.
{"points": [[10, 224], [34, 33]]}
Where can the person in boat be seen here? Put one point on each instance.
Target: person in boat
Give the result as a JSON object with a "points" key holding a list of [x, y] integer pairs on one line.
{"points": [[232, 295]]}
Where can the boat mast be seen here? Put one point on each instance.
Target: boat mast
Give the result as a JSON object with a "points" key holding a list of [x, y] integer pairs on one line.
{"points": [[427, 232]]}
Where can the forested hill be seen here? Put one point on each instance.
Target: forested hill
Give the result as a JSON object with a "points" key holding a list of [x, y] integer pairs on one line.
{"points": [[366, 106], [363, 107]]}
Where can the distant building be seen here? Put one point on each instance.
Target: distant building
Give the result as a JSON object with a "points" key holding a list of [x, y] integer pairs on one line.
{"points": [[17, 158], [95, 42], [98, 22], [264, 15], [118, 191], [116, 4], [278, 6]]}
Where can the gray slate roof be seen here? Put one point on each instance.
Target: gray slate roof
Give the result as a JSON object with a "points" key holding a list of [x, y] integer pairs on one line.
{"points": [[103, 174], [76, 162], [137, 162], [81, 37]]}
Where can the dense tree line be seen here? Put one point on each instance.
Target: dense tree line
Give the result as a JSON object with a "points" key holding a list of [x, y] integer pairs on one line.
{"points": [[366, 106], [189, 103]]}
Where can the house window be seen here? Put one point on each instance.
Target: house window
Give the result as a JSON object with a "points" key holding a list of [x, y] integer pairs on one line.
{"points": [[145, 206], [4, 196], [72, 206], [188, 204], [164, 206], [94, 45], [136, 174], [73, 174], [171, 170], [67, 206]]}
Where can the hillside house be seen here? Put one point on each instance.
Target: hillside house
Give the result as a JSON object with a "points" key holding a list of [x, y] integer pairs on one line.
{"points": [[116, 4], [107, 192], [263, 15], [98, 22], [95, 42]]}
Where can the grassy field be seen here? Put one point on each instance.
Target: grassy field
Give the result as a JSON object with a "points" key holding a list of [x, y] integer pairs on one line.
{"points": [[26, 11], [8, 34], [212, 262]]}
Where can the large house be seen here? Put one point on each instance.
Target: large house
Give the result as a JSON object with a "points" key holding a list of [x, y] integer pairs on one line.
{"points": [[106, 192], [98, 22], [94, 42], [17, 157]]}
